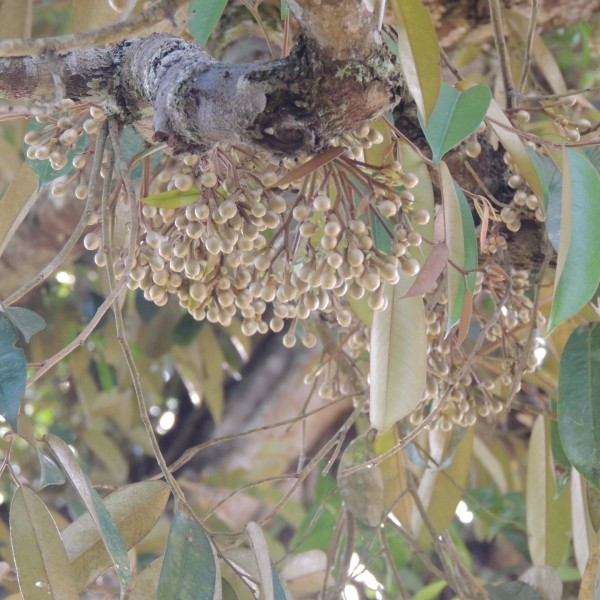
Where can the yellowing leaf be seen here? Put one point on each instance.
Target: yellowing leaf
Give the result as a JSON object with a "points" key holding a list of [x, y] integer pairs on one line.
{"points": [[590, 582], [146, 584], [548, 531], [108, 453], [583, 531], [135, 509], [398, 357], [419, 53], [43, 569], [462, 246], [395, 478], [440, 490]]}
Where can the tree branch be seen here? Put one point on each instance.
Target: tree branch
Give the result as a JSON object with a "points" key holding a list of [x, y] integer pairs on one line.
{"points": [[178, 94]]}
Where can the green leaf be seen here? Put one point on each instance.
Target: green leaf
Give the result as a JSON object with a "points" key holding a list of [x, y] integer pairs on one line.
{"points": [[190, 570], [398, 357], [578, 406], [419, 54], [204, 16], [431, 591], [512, 590], [135, 509], [462, 245], [578, 267], [173, 199], [13, 373], [284, 9], [99, 513], [25, 320], [362, 491], [456, 116], [43, 569], [548, 532], [42, 168]]}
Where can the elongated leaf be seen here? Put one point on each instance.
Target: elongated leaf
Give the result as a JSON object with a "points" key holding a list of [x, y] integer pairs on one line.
{"points": [[583, 530], [514, 145], [25, 320], [272, 587], [310, 165], [398, 357], [16, 202], [362, 491], [419, 54], [190, 570], [108, 453], [578, 407], [147, 583], [395, 478], [43, 569], [93, 503], [440, 490], [512, 590], [173, 199], [590, 582], [456, 116], [204, 15], [13, 373], [135, 509], [577, 269], [548, 531], [462, 245]]}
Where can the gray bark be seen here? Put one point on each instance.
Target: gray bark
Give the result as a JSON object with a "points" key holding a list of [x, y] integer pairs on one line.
{"points": [[330, 84]]}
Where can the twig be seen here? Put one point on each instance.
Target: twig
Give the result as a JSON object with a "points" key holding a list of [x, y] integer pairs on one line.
{"points": [[164, 9], [120, 326], [528, 48], [496, 17], [83, 222]]}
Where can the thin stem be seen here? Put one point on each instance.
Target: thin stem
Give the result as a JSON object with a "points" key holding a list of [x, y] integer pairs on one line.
{"points": [[496, 17], [528, 48], [79, 229], [162, 10], [120, 326]]}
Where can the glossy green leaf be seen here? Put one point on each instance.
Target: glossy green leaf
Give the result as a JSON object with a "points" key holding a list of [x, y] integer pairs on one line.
{"points": [[25, 320], [398, 362], [190, 569], [135, 509], [173, 199], [578, 267], [548, 531], [43, 568], [13, 373], [578, 406], [462, 245], [419, 54], [204, 16], [96, 508], [456, 116]]}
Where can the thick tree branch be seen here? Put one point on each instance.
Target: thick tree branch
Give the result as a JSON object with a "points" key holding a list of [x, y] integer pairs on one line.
{"points": [[289, 105]]}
